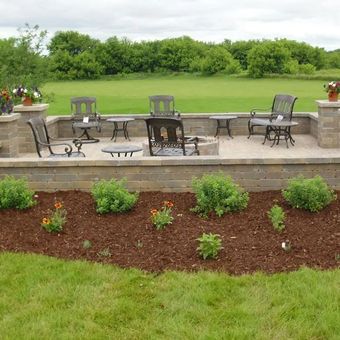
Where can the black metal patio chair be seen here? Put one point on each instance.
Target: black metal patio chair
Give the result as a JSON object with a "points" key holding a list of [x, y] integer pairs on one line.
{"points": [[163, 106], [85, 117], [44, 141], [281, 110], [166, 138]]}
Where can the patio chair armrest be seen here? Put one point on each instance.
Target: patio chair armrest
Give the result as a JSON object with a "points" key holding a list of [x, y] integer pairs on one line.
{"points": [[253, 112], [192, 140], [78, 144], [68, 147]]}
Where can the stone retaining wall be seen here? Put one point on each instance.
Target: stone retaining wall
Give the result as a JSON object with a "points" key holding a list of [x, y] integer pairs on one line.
{"points": [[169, 175]]}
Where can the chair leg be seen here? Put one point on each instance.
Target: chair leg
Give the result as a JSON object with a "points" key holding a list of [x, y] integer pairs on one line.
{"points": [[250, 129]]}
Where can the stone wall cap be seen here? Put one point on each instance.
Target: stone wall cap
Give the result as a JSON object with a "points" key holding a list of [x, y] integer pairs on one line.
{"points": [[32, 108], [9, 118], [327, 103]]}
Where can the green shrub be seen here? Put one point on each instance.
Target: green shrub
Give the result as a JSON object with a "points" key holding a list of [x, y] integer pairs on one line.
{"points": [[312, 194], [111, 196], [218, 193], [277, 216], [14, 193], [209, 245]]}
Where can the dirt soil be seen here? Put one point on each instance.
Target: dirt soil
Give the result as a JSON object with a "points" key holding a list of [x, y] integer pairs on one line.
{"points": [[130, 240]]}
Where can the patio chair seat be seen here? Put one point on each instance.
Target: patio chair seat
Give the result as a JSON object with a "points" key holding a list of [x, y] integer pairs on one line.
{"points": [[189, 151], [260, 121]]}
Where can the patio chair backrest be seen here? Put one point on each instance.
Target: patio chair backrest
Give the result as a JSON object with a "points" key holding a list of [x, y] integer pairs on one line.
{"points": [[162, 105], [40, 133], [165, 133], [83, 107], [283, 105]]}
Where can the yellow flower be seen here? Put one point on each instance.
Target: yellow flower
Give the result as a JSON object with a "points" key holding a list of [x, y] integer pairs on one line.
{"points": [[46, 221]]}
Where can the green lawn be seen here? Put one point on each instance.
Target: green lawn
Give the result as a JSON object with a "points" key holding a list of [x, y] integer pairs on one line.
{"points": [[46, 298], [192, 93]]}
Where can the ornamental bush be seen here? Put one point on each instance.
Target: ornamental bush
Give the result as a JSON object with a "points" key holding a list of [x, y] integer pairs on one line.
{"points": [[14, 193], [217, 192], [277, 217], [312, 194], [111, 196], [209, 245]]}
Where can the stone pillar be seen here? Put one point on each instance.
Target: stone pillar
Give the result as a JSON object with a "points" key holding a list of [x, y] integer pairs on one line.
{"points": [[26, 140], [328, 124], [9, 144]]}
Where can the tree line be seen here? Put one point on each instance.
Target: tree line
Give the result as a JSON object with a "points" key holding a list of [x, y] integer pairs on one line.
{"points": [[73, 55]]}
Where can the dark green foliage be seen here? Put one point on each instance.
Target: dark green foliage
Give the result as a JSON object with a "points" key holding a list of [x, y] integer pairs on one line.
{"points": [[218, 193], [21, 58], [268, 57], [209, 245], [312, 194], [277, 216], [14, 193], [111, 196]]}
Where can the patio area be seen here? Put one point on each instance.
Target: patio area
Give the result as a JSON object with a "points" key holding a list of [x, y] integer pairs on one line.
{"points": [[239, 147]]}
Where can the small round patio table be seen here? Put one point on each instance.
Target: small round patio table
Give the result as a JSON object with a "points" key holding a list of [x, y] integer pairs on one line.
{"points": [[281, 130], [121, 148], [223, 119], [116, 128]]}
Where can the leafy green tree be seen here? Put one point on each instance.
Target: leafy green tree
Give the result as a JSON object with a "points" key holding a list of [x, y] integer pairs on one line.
{"points": [[21, 58], [267, 57], [72, 42], [333, 59], [240, 50], [218, 59], [177, 54], [73, 56], [304, 53]]}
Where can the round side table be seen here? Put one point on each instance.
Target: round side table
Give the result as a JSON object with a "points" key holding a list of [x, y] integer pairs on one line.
{"points": [[116, 128], [223, 119]]}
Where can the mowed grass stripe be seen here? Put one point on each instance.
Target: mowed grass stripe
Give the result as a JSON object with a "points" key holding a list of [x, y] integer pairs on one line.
{"points": [[192, 94]]}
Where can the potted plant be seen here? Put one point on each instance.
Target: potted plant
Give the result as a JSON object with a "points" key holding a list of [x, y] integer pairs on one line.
{"points": [[333, 90], [28, 95], [6, 102]]}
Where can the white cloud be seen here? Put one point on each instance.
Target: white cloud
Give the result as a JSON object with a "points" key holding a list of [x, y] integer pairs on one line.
{"points": [[315, 22]]}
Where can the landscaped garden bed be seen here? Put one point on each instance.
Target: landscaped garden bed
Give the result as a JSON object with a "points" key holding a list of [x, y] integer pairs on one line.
{"points": [[129, 239]]}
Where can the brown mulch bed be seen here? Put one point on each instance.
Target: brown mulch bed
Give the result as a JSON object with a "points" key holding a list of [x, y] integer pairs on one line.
{"points": [[249, 240]]}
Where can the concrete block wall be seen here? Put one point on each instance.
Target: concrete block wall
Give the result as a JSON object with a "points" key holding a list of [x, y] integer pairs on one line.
{"points": [[328, 124], [194, 124], [168, 175], [9, 135]]}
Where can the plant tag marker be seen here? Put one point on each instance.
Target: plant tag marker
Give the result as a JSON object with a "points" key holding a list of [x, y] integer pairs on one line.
{"points": [[85, 119]]}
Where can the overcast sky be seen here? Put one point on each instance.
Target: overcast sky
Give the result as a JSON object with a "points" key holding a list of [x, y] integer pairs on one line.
{"points": [[316, 22]]}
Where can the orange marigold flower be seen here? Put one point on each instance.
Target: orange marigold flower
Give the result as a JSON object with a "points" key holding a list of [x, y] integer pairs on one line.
{"points": [[168, 204], [58, 205], [46, 221], [153, 211]]}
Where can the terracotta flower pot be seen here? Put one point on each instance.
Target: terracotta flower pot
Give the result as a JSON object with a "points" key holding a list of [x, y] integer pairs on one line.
{"points": [[27, 101], [332, 96]]}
